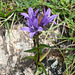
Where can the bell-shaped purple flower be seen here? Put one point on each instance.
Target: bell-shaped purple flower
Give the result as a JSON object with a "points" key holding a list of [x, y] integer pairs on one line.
{"points": [[47, 18], [32, 27], [31, 14]]}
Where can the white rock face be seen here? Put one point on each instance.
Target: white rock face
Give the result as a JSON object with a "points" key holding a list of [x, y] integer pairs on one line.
{"points": [[3, 57], [12, 50]]}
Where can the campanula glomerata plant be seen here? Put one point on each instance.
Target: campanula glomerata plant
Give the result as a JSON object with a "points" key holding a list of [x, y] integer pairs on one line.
{"points": [[34, 27]]}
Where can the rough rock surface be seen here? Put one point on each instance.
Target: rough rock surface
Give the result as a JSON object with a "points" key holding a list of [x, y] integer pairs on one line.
{"points": [[12, 50]]}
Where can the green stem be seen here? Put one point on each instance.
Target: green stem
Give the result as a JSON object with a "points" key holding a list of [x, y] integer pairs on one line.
{"points": [[37, 42], [34, 40]]}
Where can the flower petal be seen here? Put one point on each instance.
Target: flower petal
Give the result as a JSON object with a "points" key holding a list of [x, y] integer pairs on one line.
{"points": [[42, 21], [44, 11], [52, 17], [25, 15], [46, 22], [36, 12], [32, 34], [33, 18], [54, 22], [30, 12], [29, 22], [35, 23], [25, 29], [48, 12], [40, 29]]}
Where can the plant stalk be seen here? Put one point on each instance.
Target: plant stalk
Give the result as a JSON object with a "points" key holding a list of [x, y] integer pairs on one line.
{"points": [[37, 42]]}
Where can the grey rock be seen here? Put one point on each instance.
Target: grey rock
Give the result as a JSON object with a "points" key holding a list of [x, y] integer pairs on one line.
{"points": [[12, 51]]}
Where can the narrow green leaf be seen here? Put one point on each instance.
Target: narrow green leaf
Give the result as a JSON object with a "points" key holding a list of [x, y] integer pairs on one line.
{"points": [[73, 73], [62, 2], [17, 3], [51, 6], [70, 23], [73, 1], [43, 68], [19, 9], [35, 49], [73, 15], [44, 55], [13, 20], [44, 45], [31, 50], [8, 17], [8, 14], [54, 1], [30, 57], [71, 49], [7, 26], [38, 71]]}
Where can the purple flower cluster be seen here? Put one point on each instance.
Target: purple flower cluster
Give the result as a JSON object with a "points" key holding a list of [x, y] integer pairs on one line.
{"points": [[32, 21]]}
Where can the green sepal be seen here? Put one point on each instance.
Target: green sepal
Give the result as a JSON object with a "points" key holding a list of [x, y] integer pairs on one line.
{"points": [[44, 55]]}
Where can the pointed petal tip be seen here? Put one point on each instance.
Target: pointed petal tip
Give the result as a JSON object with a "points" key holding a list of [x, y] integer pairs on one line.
{"points": [[22, 29], [56, 15], [40, 29], [32, 34], [22, 13], [54, 22], [25, 29]]}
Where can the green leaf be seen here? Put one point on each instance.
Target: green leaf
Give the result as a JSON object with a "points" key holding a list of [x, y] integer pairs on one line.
{"points": [[41, 51], [1, 14], [13, 20], [73, 1], [72, 15], [19, 9], [35, 49], [32, 50], [54, 11], [38, 71], [70, 23], [44, 45], [30, 57], [48, 5], [72, 68], [44, 55], [54, 1], [67, 1], [71, 49], [73, 73], [17, 3], [8, 14], [62, 2], [7, 26], [43, 68]]}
